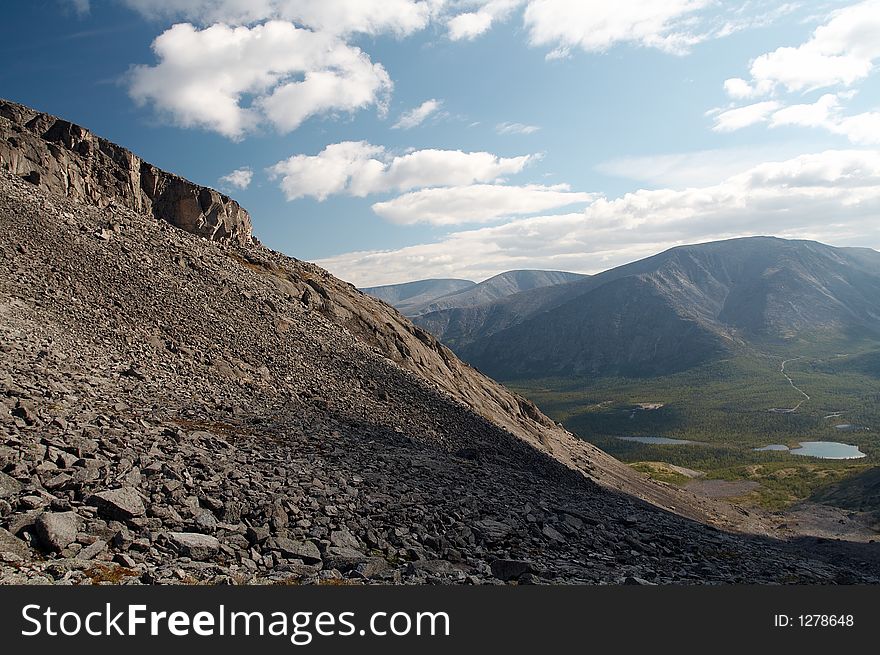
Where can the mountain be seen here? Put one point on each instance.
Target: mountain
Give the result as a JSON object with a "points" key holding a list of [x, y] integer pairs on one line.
{"points": [[417, 298], [498, 286], [672, 311], [181, 404], [409, 297]]}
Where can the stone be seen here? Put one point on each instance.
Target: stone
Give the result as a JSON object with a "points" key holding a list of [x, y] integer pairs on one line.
{"points": [[511, 569], [57, 530], [552, 533], [92, 550], [18, 523], [343, 558], [118, 504], [373, 567], [304, 550], [9, 486], [9, 543], [198, 546], [344, 539]]}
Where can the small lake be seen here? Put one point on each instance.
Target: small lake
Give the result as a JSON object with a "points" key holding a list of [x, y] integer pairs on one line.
{"points": [[664, 441], [821, 449]]}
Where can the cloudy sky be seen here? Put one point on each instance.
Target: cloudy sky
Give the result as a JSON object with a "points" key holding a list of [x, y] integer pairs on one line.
{"points": [[392, 140]]}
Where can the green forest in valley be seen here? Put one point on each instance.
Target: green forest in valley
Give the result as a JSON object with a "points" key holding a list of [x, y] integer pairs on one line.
{"points": [[725, 407]]}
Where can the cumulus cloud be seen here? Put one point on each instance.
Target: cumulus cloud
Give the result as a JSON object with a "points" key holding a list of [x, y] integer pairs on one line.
{"points": [[400, 17], [477, 203], [232, 79], [239, 179], [358, 168], [595, 25], [516, 128], [740, 117], [827, 113], [842, 51], [471, 24], [832, 196], [416, 116]]}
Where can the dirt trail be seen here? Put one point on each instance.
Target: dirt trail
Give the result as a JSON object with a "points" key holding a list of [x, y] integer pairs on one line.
{"points": [[806, 397]]}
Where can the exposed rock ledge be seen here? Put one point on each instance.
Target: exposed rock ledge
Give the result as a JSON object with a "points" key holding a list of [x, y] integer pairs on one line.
{"points": [[67, 159]]}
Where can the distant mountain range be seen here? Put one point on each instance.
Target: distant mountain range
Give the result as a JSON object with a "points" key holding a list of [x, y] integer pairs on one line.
{"points": [[425, 296], [668, 312]]}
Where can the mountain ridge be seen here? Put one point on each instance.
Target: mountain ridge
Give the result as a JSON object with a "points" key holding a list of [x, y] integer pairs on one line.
{"points": [[724, 293]]}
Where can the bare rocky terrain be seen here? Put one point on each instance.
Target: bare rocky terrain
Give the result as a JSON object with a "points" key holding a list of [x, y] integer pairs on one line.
{"points": [[179, 404]]}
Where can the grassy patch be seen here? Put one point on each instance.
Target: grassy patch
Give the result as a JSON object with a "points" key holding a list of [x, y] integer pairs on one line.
{"points": [[661, 472]]}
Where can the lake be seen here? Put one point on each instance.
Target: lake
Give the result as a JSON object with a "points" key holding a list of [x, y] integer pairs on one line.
{"points": [[664, 441], [821, 449]]}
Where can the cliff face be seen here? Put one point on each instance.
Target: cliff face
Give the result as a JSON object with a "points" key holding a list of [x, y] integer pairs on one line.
{"points": [[67, 159]]}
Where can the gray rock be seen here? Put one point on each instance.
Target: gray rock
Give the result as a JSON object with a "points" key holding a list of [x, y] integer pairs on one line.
{"points": [[305, 550], [9, 486], [22, 521], [57, 530], [511, 569], [9, 543], [195, 545], [93, 550], [118, 504], [343, 538], [343, 559]]}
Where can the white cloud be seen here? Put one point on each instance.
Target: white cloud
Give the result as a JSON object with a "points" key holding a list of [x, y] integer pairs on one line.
{"points": [[839, 52], [400, 17], [832, 196], [597, 25], [240, 179], [469, 25], [740, 89], [204, 78], [734, 119], [417, 115], [681, 170], [516, 128], [827, 113], [358, 168], [477, 203]]}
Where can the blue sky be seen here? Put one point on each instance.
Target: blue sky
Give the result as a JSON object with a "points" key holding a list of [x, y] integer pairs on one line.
{"points": [[401, 139]]}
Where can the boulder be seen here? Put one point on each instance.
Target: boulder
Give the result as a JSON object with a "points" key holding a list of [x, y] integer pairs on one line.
{"points": [[57, 530], [511, 569], [9, 486], [304, 550], [195, 545], [9, 543], [118, 504]]}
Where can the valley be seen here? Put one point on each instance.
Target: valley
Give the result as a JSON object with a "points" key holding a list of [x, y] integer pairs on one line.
{"points": [[744, 369], [724, 415]]}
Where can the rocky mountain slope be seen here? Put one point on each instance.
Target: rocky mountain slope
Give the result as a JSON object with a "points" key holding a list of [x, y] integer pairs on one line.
{"points": [[186, 406], [669, 312], [498, 286]]}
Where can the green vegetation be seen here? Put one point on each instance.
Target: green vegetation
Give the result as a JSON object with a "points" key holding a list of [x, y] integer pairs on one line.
{"points": [[725, 406]]}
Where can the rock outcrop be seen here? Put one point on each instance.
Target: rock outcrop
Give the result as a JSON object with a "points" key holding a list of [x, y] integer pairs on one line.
{"points": [[65, 158]]}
